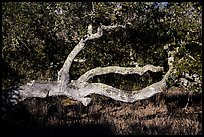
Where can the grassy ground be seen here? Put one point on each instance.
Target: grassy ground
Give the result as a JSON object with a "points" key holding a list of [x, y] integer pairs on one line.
{"points": [[171, 113]]}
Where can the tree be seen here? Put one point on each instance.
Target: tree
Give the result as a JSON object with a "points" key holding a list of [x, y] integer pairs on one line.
{"points": [[145, 20], [80, 88], [184, 20]]}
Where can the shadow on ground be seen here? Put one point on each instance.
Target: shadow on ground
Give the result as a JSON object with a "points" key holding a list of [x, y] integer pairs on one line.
{"points": [[162, 114]]}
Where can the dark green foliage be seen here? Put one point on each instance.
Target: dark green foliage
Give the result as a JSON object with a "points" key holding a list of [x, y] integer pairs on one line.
{"points": [[37, 37]]}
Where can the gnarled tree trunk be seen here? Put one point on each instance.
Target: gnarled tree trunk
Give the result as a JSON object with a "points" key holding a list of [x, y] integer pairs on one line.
{"points": [[80, 88]]}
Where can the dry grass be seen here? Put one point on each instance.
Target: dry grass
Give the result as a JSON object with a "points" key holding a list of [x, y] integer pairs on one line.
{"points": [[163, 114]]}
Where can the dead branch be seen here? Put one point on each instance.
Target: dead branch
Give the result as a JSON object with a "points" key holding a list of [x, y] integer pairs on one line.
{"points": [[79, 89]]}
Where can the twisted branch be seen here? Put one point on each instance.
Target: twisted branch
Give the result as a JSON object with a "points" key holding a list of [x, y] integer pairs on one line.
{"points": [[116, 69], [80, 88]]}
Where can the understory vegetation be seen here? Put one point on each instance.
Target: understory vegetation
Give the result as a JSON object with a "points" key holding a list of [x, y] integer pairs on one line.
{"points": [[37, 37]]}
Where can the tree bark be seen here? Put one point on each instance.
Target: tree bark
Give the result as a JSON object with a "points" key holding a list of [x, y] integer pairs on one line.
{"points": [[80, 88], [116, 69]]}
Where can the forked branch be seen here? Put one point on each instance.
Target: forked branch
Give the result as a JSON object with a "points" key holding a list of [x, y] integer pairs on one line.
{"points": [[63, 74], [79, 89]]}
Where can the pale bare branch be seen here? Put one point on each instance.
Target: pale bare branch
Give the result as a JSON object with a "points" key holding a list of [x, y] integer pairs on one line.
{"points": [[80, 88], [116, 69], [121, 95], [63, 74], [38, 89], [79, 47]]}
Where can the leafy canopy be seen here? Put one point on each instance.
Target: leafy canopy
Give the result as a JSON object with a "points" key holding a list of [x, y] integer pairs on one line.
{"points": [[37, 37]]}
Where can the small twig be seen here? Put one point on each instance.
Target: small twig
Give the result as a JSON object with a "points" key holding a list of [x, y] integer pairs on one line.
{"points": [[187, 102]]}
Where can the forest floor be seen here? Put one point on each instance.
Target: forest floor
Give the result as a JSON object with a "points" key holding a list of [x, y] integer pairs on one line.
{"points": [[171, 113]]}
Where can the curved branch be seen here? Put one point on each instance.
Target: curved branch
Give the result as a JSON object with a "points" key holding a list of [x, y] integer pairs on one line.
{"points": [[43, 90], [117, 94], [120, 70], [63, 74], [122, 95], [81, 92], [80, 88]]}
